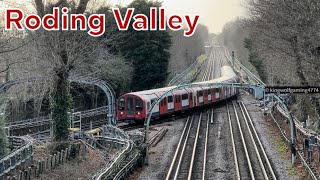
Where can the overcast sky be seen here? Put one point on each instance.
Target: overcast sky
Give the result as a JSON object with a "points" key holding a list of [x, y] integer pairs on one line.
{"points": [[213, 13]]}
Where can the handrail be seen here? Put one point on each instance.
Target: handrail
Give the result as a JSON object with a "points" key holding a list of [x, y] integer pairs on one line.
{"points": [[130, 164], [244, 68], [112, 166], [182, 73], [313, 176], [45, 120], [306, 131], [22, 153]]}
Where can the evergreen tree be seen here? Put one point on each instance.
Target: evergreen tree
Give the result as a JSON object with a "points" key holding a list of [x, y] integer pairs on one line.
{"points": [[148, 51]]}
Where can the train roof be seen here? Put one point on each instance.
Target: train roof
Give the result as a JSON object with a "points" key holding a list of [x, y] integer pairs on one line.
{"points": [[226, 72]]}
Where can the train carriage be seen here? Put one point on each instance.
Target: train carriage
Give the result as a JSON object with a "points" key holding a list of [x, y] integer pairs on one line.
{"points": [[135, 106]]}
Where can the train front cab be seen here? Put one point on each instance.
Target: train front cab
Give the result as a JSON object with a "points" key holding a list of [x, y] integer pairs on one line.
{"points": [[131, 108]]}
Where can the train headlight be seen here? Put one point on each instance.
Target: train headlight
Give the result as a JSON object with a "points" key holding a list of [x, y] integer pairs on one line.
{"points": [[138, 113], [121, 113]]}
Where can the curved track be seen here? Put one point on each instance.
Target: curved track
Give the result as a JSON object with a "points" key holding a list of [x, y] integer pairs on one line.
{"points": [[196, 147]]}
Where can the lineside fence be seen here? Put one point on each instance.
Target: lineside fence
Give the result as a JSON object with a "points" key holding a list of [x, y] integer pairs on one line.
{"points": [[22, 152]]}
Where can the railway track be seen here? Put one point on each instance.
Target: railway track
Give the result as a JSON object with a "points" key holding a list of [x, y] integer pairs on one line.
{"points": [[251, 161], [190, 155], [194, 150]]}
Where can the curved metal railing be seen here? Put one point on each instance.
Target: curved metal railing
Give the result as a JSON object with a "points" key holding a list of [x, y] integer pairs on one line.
{"points": [[21, 153], [180, 75], [114, 165], [302, 130]]}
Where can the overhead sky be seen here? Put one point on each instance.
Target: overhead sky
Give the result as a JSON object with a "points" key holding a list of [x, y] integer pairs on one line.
{"points": [[213, 13]]}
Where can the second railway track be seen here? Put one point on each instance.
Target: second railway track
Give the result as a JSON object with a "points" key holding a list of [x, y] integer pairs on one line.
{"points": [[250, 158]]}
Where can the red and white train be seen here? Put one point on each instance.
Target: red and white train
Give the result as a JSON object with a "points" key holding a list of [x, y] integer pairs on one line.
{"points": [[135, 106]]}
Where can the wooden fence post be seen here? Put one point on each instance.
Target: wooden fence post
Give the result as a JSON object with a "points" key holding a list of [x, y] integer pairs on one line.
{"points": [[65, 154], [51, 162], [29, 173], [54, 161], [58, 158], [20, 175]]}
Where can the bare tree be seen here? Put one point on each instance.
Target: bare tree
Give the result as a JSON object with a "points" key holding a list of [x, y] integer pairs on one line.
{"points": [[289, 30]]}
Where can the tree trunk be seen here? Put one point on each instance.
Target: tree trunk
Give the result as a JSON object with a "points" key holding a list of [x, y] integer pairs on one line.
{"points": [[60, 107], [302, 78]]}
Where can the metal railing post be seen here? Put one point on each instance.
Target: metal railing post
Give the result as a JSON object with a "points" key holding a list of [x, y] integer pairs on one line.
{"points": [[292, 128]]}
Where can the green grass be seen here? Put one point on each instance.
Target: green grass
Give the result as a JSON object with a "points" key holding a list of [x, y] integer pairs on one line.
{"points": [[201, 59], [292, 171]]}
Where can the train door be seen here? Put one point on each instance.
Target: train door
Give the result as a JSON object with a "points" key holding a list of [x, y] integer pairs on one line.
{"points": [[205, 96], [209, 96], [170, 104], [225, 92], [221, 90], [121, 109], [190, 100], [155, 111], [200, 97], [217, 90], [185, 101], [213, 95], [130, 107], [164, 106], [177, 103]]}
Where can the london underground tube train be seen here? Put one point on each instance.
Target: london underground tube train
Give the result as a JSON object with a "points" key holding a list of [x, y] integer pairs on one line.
{"points": [[135, 106]]}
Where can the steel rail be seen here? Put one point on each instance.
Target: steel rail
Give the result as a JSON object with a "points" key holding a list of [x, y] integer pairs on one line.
{"points": [[207, 70], [205, 147], [177, 150], [260, 144], [254, 144], [183, 149], [194, 148], [233, 145], [244, 144], [212, 71], [211, 66]]}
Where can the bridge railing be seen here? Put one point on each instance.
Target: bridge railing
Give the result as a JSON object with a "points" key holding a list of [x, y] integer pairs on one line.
{"points": [[305, 132], [247, 71], [114, 167], [41, 121], [21, 153], [180, 75]]}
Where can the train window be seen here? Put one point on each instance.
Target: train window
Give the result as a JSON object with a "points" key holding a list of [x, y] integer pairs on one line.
{"points": [[200, 93], [121, 104], [170, 99], [130, 104], [190, 96], [152, 101], [138, 104], [184, 96], [205, 92], [209, 91]]}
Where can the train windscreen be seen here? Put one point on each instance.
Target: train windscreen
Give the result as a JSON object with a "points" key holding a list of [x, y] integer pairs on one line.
{"points": [[139, 104], [121, 104], [130, 107]]}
